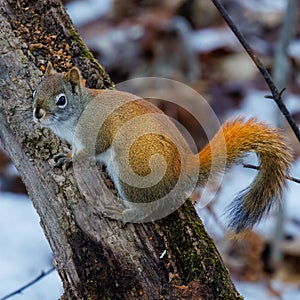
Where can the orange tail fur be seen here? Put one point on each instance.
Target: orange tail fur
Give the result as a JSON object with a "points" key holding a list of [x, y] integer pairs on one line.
{"points": [[275, 159]]}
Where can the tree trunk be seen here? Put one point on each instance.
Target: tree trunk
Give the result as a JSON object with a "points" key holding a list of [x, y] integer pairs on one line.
{"points": [[96, 258]]}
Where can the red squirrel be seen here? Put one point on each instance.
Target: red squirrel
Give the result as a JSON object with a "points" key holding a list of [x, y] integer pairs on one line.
{"points": [[62, 97]]}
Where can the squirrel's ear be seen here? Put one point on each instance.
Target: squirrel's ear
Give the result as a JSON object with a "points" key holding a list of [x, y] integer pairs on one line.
{"points": [[74, 77], [49, 69]]}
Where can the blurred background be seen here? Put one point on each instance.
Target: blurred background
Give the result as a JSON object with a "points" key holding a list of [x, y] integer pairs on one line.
{"points": [[188, 41]]}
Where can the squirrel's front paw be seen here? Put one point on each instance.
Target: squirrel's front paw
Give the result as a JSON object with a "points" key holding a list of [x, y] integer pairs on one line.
{"points": [[112, 212], [62, 160]]}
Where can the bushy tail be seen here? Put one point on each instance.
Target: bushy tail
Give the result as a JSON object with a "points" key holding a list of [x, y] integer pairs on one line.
{"points": [[275, 159]]}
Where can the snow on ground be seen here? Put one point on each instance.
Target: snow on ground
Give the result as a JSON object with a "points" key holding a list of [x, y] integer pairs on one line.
{"points": [[257, 291], [24, 251]]}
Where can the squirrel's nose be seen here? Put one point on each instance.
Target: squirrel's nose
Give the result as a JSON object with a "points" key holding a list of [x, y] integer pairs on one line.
{"points": [[39, 113]]}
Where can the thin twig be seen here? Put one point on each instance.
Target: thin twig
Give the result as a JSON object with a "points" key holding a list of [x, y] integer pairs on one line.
{"points": [[257, 168], [282, 66], [21, 289], [276, 95]]}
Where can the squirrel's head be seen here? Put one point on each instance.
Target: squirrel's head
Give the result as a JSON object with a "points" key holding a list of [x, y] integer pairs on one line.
{"points": [[57, 97]]}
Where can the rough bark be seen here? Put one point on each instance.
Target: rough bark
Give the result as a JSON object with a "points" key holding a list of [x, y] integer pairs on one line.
{"points": [[96, 257]]}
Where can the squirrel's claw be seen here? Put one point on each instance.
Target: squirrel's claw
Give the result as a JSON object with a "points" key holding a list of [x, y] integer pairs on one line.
{"points": [[62, 160]]}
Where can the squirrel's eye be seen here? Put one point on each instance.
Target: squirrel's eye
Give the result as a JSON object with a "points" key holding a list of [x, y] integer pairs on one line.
{"points": [[61, 101]]}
